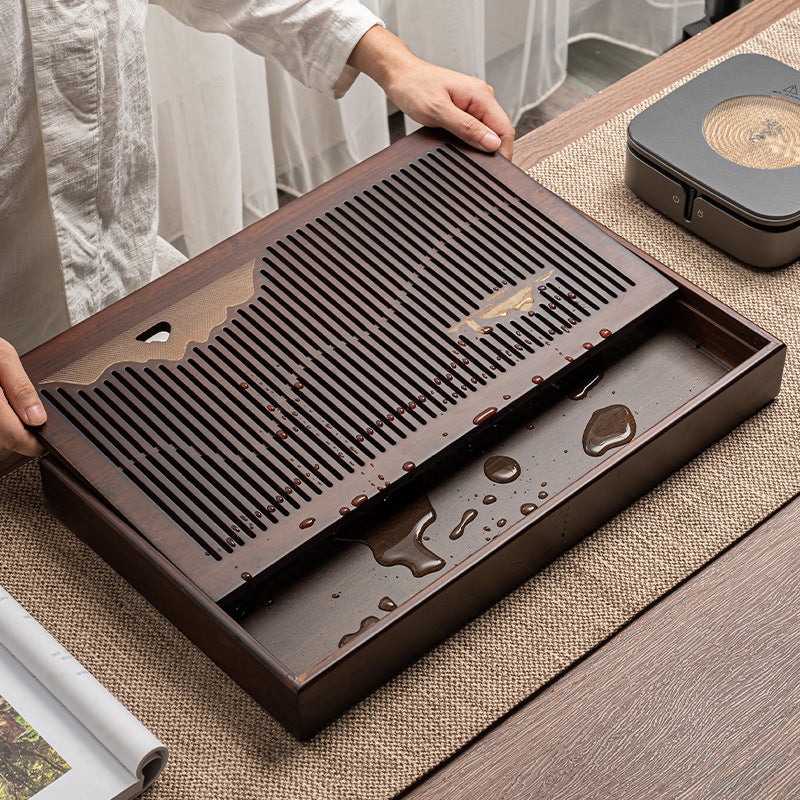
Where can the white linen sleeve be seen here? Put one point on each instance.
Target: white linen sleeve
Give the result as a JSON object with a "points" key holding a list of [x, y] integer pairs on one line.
{"points": [[312, 39]]}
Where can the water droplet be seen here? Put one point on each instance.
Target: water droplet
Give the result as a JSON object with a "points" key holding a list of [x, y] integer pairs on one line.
{"points": [[246, 576], [307, 522], [537, 379], [484, 415], [607, 428], [344, 510], [298, 386], [387, 604], [486, 528], [502, 523], [336, 595], [282, 434], [244, 386], [365, 623], [587, 345], [489, 499], [501, 469], [528, 508], [506, 397], [408, 466], [359, 500], [605, 333], [231, 542], [466, 518], [569, 358], [487, 329], [542, 495], [398, 539], [587, 382]]}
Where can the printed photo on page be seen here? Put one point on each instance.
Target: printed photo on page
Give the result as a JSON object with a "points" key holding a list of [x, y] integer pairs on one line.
{"points": [[27, 762]]}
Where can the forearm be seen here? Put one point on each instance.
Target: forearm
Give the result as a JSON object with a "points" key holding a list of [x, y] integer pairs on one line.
{"points": [[381, 55]]}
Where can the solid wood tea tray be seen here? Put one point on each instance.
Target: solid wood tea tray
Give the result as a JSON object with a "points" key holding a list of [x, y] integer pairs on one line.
{"points": [[320, 621], [389, 317]]}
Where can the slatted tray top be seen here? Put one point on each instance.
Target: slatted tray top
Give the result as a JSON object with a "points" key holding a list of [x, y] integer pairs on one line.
{"points": [[382, 332]]}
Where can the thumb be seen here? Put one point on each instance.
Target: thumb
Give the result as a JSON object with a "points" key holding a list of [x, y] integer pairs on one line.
{"points": [[17, 387], [470, 130]]}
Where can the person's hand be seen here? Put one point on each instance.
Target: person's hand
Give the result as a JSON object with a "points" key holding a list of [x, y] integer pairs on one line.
{"points": [[432, 95], [19, 404]]}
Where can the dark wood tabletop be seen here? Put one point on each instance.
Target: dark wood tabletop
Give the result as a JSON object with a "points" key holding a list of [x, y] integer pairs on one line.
{"points": [[699, 696]]}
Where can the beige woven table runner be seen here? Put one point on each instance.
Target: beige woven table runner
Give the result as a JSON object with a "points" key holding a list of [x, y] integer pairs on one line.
{"points": [[224, 745]]}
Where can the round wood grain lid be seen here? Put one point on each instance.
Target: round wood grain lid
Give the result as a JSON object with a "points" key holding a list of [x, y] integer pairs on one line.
{"points": [[757, 131]]}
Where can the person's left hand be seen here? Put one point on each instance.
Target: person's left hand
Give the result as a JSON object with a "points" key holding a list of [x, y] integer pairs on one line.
{"points": [[432, 95]]}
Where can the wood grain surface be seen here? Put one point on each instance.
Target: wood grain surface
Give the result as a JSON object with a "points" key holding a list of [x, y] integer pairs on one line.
{"points": [[649, 79], [698, 697]]}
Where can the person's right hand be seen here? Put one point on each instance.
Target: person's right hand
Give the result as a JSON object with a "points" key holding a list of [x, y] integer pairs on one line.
{"points": [[19, 404]]}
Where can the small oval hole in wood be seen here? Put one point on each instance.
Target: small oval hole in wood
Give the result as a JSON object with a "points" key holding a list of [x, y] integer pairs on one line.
{"points": [[157, 333]]}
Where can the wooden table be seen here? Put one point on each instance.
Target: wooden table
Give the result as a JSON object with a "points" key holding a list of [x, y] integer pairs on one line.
{"points": [[699, 696]]}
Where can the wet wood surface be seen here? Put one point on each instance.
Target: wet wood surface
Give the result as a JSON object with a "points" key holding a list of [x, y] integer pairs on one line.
{"points": [[638, 717], [334, 589]]}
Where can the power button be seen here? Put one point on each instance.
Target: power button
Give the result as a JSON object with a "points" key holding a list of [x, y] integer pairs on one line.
{"points": [[655, 187]]}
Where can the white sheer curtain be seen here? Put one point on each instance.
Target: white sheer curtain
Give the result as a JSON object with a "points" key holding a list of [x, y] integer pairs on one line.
{"points": [[231, 127]]}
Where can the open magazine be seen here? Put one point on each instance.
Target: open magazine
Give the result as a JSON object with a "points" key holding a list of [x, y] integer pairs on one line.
{"points": [[62, 735]]}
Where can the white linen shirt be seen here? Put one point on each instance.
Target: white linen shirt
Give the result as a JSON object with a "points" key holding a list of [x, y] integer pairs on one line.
{"points": [[78, 184]]}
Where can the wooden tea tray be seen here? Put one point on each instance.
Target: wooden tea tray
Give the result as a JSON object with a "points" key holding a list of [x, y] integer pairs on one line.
{"points": [[388, 318], [340, 613]]}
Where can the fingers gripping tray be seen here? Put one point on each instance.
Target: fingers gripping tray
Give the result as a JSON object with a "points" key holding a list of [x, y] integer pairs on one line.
{"points": [[233, 435]]}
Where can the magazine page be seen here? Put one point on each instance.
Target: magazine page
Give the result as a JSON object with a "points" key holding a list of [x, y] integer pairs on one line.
{"points": [[68, 733]]}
